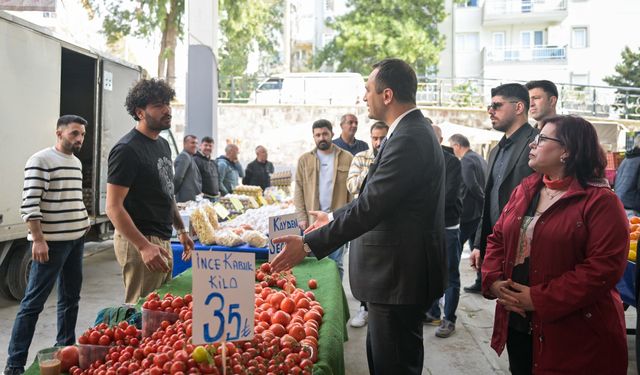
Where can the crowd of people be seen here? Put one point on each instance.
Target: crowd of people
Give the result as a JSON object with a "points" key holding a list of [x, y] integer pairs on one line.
{"points": [[547, 234]]}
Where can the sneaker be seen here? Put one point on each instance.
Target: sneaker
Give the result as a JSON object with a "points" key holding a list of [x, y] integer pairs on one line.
{"points": [[431, 320], [475, 288], [13, 370], [360, 320], [446, 329]]}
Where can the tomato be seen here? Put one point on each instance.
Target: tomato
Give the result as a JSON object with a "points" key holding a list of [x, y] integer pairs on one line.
{"points": [[280, 283], [265, 267], [276, 299], [303, 303], [297, 332], [277, 329], [311, 331], [310, 295], [104, 340], [313, 283], [69, 357], [281, 317], [313, 315], [177, 303], [83, 340], [287, 305], [94, 338], [131, 331]]}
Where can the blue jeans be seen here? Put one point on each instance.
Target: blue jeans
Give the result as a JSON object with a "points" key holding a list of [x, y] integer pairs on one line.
{"points": [[452, 293], [65, 266], [337, 256]]}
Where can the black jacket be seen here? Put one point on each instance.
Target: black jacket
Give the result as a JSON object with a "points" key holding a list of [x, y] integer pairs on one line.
{"points": [[258, 174], [396, 223], [474, 178], [453, 188], [209, 171], [516, 170], [627, 185]]}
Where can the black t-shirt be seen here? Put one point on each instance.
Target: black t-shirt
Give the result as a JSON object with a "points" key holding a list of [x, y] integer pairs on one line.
{"points": [[144, 166]]}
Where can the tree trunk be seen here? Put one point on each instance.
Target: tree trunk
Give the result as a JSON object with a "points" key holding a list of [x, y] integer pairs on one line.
{"points": [[167, 58]]}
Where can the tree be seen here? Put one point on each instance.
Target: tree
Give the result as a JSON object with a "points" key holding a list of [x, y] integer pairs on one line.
{"points": [[376, 29], [627, 75], [628, 71], [143, 18], [245, 25]]}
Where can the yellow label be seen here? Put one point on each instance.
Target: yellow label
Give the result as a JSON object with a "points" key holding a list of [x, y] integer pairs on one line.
{"points": [[253, 203], [221, 211], [262, 201], [236, 204]]}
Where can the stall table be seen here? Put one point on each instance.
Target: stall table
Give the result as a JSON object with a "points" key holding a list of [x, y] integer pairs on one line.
{"points": [[179, 265], [329, 293]]}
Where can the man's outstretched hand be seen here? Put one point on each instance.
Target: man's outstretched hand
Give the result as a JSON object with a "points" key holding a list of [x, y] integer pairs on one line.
{"points": [[322, 219], [291, 255]]}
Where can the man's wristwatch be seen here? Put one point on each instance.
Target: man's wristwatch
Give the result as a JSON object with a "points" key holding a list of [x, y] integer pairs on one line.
{"points": [[182, 231], [306, 247]]}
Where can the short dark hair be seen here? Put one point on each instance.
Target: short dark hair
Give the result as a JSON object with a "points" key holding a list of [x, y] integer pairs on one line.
{"points": [[586, 160], [206, 139], [322, 123], [460, 139], [186, 137], [148, 91], [379, 125], [546, 86], [397, 75], [68, 119], [513, 91]]}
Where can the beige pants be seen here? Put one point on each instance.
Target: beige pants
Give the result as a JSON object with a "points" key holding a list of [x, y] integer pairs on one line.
{"points": [[138, 279]]}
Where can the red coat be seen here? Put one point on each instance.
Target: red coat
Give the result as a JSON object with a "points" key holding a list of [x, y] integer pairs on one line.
{"points": [[578, 254]]}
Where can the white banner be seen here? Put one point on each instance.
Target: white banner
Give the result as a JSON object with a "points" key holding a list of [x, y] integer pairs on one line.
{"points": [[37, 5]]}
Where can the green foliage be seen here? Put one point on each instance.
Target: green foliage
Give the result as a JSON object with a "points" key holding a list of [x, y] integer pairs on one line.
{"points": [[466, 95], [245, 25], [376, 29], [628, 71]]}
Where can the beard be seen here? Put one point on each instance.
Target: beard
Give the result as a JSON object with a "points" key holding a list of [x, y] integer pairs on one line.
{"points": [[323, 145], [162, 124], [71, 147]]}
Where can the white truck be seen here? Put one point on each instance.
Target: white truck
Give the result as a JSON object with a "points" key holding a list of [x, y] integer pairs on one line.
{"points": [[313, 88], [41, 78]]}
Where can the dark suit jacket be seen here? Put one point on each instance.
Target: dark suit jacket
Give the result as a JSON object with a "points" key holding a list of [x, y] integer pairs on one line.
{"points": [[398, 256], [452, 188], [474, 177], [517, 169]]}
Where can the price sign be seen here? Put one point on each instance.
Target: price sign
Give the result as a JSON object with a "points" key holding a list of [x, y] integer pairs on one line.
{"points": [[281, 226], [223, 296], [253, 203], [221, 211], [236, 204], [262, 201]]}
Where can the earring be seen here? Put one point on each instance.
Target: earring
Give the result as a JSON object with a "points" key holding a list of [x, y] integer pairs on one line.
{"points": [[562, 159]]}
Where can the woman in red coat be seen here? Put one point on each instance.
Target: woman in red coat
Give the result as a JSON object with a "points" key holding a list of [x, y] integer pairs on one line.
{"points": [[554, 258]]}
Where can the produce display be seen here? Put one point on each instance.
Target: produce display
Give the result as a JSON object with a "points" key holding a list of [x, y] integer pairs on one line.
{"points": [[257, 218], [202, 226], [634, 234], [248, 190], [287, 321]]}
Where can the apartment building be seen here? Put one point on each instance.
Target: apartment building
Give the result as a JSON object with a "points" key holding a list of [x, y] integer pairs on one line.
{"points": [[566, 41]]}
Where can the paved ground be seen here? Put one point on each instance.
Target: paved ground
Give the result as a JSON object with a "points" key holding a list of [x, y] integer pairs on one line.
{"points": [[466, 352]]}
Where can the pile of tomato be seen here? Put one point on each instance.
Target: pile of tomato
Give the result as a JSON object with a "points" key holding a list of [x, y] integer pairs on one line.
{"points": [[287, 321]]}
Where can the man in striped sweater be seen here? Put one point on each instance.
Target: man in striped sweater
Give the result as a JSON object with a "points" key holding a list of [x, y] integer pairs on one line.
{"points": [[55, 214]]}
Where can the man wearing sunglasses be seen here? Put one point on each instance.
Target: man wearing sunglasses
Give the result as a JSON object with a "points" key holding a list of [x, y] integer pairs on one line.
{"points": [[508, 162]]}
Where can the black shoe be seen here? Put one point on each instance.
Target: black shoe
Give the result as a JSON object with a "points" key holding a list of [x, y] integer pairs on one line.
{"points": [[13, 370], [475, 288]]}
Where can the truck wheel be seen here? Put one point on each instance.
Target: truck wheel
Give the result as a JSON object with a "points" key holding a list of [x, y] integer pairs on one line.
{"points": [[5, 293], [18, 272]]}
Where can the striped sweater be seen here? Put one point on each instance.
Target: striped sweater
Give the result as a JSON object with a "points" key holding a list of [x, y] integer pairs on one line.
{"points": [[53, 194]]}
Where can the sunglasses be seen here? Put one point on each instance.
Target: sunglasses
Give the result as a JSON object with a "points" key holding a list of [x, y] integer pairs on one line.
{"points": [[541, 138], [496, 105]]}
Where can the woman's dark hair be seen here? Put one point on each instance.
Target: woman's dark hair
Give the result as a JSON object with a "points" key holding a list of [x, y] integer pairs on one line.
{"points": [[148, 91], [586, 160]]}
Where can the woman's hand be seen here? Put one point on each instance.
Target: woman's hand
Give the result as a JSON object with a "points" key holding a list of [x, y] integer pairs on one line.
{"points": [[514, 297]]}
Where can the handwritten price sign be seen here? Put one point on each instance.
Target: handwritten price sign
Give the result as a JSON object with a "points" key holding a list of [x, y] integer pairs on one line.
{"points": [[223, 299], [281, 226]]}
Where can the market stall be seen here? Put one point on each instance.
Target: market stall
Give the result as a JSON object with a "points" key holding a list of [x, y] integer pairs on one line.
{"points": [[329, 293]]}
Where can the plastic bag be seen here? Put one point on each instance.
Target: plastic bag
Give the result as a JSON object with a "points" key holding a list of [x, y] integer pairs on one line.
{"points": [[254, 238], [202, 226], [227, 238]]}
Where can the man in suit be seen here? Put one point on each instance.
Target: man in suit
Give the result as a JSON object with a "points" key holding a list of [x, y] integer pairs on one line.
{"points": [[187, 181], [508, 163], [398, 261], [474, 178]]}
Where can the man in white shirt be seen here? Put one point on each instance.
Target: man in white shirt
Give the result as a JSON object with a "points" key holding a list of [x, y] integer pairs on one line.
{"points": [[321, 180]]}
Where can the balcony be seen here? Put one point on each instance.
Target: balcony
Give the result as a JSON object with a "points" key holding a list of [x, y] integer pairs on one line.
{"points": [[509, 12], [538, 54]]}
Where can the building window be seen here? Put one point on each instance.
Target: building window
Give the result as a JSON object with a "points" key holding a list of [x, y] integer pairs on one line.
{"points": [[498, 39], [579, 79], [468, 4], [467, 42], [580, 37]]}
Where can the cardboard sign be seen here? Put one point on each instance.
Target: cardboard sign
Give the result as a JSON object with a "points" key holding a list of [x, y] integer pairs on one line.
{"points": [[281, 226], [223, 296], [221, 210]]}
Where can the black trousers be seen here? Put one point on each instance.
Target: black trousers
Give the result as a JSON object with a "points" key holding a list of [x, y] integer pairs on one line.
{"points": [[394, 339], [520, 349]]}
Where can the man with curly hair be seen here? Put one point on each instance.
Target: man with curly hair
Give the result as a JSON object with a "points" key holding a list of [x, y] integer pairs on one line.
{"points": [[140, 194]]}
